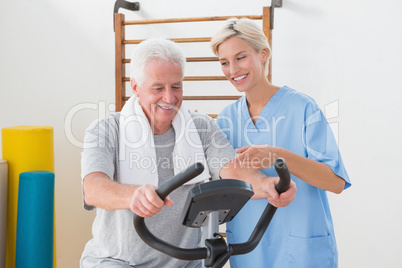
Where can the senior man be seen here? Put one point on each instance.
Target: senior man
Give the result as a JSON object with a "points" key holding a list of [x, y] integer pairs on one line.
{"points": [[128, 155]]}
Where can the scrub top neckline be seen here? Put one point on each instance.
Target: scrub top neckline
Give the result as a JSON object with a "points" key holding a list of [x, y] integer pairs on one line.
{"points": [[266, 111]]}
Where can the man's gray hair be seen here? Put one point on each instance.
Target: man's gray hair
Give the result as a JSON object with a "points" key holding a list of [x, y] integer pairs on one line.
{"points": [[154, 49]]}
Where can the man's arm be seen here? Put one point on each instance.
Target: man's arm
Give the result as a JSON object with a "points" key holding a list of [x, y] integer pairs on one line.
{"points": [[102, 192], [263, 186]]}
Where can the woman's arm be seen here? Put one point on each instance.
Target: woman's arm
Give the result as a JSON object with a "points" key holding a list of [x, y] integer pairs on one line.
{"points": [[315, 173], [263, 186]]}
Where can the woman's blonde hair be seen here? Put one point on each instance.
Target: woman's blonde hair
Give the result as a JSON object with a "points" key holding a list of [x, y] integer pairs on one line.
{"points": [[245, 29]]}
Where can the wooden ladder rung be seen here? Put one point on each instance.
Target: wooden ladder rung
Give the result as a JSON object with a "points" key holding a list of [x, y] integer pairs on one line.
{"points": [[211, 97], [177, 40], [193, 78], [203, 98], [190, 59], [194, 19]]}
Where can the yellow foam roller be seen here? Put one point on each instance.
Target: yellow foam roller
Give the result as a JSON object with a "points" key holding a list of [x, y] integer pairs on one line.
{"points": [[26, 148]]}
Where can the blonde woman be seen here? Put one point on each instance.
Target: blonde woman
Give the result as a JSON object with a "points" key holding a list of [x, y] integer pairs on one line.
{"points": [[270, 122]]}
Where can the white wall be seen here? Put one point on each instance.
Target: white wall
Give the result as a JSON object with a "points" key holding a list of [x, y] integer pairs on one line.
{"points": [[55, 55]]}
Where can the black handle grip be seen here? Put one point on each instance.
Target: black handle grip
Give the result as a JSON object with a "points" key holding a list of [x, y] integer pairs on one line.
{"points": [[284, 175], [155, 242], [268, 214], [179, 179]]}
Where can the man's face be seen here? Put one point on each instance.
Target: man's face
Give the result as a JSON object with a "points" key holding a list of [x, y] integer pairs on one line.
{"points": [[161, 93]]}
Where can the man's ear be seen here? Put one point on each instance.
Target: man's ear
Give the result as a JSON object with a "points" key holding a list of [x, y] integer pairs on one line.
{"points": [[134, 86]]}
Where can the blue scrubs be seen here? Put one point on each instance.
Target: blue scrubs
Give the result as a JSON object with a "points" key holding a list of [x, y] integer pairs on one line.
{"points": [[301, 234]]}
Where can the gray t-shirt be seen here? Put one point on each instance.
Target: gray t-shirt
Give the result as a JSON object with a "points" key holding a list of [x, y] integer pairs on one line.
{"points": [[115, 242]]}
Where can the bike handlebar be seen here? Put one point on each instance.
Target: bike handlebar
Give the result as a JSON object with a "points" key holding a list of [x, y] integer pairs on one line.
{"points": [[284, 175], [158, 244], [175, 182], [202, 253], [269, 212]]}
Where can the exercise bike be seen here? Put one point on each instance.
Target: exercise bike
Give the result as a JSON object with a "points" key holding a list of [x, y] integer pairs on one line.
{"points": [[208, 205]]}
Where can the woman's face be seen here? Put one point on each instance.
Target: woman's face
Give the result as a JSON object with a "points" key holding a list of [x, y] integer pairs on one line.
{"points": [[241, 64]]}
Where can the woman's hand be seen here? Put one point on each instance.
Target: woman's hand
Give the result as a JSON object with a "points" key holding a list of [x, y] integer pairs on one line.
{"points": [[256, 157]]}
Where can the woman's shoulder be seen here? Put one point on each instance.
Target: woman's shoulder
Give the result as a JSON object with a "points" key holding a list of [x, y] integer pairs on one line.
{"points": [[298, 99], [295, 95], [232, 108]]}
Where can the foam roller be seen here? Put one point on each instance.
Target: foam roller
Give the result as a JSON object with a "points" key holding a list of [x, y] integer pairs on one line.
{"points": [[3, 211], [26, 148], [35, 220]]}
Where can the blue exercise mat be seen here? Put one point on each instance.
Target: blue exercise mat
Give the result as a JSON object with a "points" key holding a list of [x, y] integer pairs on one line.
{"points": [[35, 220]]}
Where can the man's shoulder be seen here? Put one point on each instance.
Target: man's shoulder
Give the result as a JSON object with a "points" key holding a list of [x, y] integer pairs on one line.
{"points": [[111, 119], [104, 126], [206, 126], [202, 121]]}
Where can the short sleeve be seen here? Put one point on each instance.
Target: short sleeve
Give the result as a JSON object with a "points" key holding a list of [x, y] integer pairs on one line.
{"points": [[100, 149], [320, 143], [217, 149]]}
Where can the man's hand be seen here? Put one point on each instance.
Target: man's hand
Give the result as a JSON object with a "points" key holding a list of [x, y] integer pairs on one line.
{"points": [[145, 202], [267, 185]]}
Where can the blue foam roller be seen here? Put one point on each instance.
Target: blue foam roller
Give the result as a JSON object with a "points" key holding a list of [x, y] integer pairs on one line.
{"points": [[35, 220]]}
